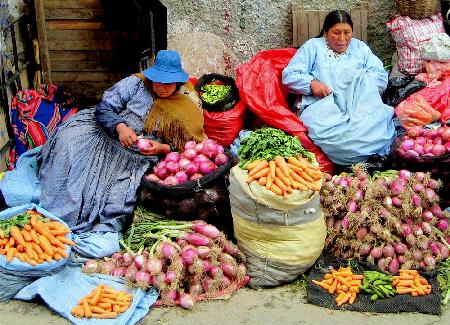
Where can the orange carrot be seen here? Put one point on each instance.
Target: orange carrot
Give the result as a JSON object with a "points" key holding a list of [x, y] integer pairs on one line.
{"points": [[272, 167], [275, 189], [77, 311], [26, 235], [97, 309], [281, 163], [262, 165], [253, 164], [345, 299], [87, 309], [95, 297], [262, 181], [34, 236], [278, 182], [27, 227], [105, 315], [10, 255], [17, 234], [45, 244], [12, 242], [260, 173], [33, 220], [269, 181], [281, 176]]}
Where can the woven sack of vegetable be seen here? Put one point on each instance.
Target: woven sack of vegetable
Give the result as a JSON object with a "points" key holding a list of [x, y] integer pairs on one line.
{"points": [[205, 198], [18, 270], [224, 127], [218, 93], [280, 237]]}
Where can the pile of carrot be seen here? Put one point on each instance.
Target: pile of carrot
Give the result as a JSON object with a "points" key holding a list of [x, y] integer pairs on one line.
{"points": [[283, 177], [343, 282], [40, 240], [410, 282], [103, 302]]}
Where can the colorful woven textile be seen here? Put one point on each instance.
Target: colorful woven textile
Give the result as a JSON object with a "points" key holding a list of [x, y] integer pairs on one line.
{"points": [[35, 114]]}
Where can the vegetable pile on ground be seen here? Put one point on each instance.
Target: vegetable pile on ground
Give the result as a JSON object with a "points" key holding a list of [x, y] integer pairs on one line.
{"points": [[103, 302], [33, 239], [185, 261], [421, 143], [392, 219], [410, 282], [343, 282], [378, 285], [214, 92], [197, 160], [283, 178]]}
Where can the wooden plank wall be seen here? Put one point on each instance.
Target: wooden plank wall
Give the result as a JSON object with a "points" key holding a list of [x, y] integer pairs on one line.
{"points": [[77, 49], [308, 24]]}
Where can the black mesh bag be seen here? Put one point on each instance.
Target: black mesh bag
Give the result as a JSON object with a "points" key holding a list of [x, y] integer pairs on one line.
{"points": [[429, 304], [400, 88], [206, 198], [225, 103]]}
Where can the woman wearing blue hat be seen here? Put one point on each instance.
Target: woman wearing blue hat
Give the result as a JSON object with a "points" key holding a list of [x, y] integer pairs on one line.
{"points": [[90, 167]]}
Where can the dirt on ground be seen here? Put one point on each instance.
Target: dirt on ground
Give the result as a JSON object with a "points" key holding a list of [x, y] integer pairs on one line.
{"points": [[282, 305]]}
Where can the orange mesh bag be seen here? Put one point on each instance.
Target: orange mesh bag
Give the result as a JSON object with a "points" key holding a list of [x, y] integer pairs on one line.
{"points": [[416, 111]]}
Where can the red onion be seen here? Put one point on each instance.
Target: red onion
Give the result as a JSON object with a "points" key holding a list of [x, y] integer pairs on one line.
{"points": [[418, 187], [170, 181], [419, 176], [191, 168], [143, 144], [221, 159], [396, 202], [169, 296], [442, 224], [433, 133], [401, 259], [364, 249], [197, 239], [417, 255], [414, 132], [186, 301], [416, 200], [382, 264], [139, 261], [375, 228], [127, 258], [157, 280], [430, 262], [142, 278], [405, 174], [387, 201], [418, 230], [400, 248], [170, 277], [215, 271], [397, 187], [195, 176], [426, 227], [161, 172], [228, 270], [394, 266], [130, 274], [207, 167], [226, 282], [195, 289], [189, 145], [344, 182], [359, 195], [345, 223], [201, 158], [438, 140], [230, 248], [198, 147], [436, 210], [406, 230], [181, 177], [173, 157], [190, 154], [447, 146], [203, 252], [435, 250], [107, 267], [172, 167], [388, 250], [352, 206], [427, 216], [206, 266], [376, 252], [153, 266], [188, 256], [444, 252], [418, 148], [206, 229], [151, 178], [209, 149], [183, 163], [119, 272], [433, 184], [361, 233], [407, 144], [445, 133]]}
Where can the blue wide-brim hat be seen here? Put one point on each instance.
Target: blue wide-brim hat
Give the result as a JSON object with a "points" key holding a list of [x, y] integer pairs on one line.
{"points": [[167, 68]]}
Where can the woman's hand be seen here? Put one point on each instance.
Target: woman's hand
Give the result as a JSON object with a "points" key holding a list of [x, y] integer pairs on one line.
{"points": [[319, 89], [127, 136], [156, 148]]}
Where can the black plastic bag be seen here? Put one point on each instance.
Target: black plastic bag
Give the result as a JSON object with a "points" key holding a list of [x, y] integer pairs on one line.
{"points": [[225, 103], [445, 9], [400, 88]]}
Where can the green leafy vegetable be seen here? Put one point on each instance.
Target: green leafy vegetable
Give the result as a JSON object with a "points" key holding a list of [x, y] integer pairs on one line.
{"points": [[443, 277], [267, 143], [19, 221]]}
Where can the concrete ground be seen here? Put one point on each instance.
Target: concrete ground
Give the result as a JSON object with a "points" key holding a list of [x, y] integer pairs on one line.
{"points": [[282, 305]]}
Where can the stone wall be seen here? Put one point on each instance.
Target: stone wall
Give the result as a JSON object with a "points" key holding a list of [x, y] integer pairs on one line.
{"points": [[249, 26]]}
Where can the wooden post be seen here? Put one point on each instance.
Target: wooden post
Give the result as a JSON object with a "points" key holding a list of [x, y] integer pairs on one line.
{"points": [[42, 35]]}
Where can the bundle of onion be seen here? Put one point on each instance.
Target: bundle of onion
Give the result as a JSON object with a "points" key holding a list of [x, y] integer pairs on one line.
{"points": [[391, 219]]}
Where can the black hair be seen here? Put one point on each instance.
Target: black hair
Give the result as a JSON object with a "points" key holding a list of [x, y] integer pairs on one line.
{"points": [[335, 17]]}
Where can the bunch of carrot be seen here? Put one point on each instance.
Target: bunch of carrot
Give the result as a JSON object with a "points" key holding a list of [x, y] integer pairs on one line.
{"points": [[40, 240], [410, 282], [103, 302], [343, 282], [283, 177]]}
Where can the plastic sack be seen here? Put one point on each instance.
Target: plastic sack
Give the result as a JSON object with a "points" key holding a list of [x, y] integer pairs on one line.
{"points": [[15, 275], [96, 244], [224, 127], [416, 112], [439, 98], [260, 87], [21, 185], [62, 291], [281, 238], [400, 88], [437, 48]]}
